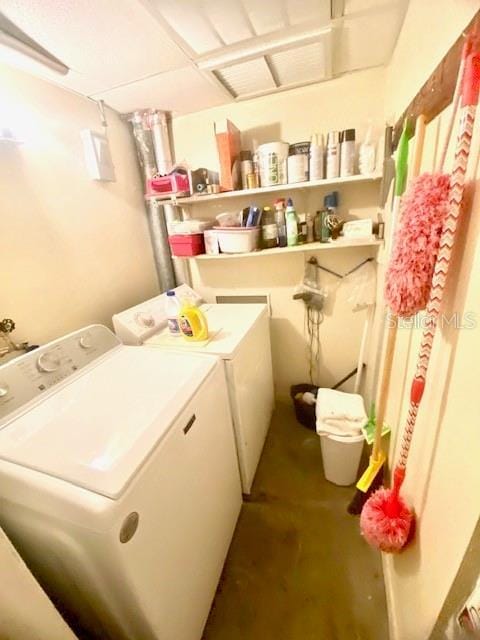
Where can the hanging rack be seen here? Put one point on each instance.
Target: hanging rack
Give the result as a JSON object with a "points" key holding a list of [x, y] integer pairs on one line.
{"points": [[314, 261]]}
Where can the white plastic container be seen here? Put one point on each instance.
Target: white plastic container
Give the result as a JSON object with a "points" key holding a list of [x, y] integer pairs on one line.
{"points": [[341, 458], [316, 158], [272, 160], [238, 239], [229, 219], [172, 309], [297, 168]]}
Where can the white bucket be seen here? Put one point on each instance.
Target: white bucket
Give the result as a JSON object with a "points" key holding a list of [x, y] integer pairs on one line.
{"points": [[272, 160], [341, 458]]}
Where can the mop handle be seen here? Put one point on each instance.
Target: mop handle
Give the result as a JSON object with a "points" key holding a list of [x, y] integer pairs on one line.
{"points": [[392, 319], [457, 184]]}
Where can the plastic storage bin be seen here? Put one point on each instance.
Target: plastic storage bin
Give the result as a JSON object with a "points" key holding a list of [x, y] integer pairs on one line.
{"points": [[187, 245], [238, 239], [341, 458]]}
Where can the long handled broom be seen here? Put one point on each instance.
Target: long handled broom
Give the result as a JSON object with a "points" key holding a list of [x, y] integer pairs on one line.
{"points": [[371, 478], [386, 519], [413, 259]]}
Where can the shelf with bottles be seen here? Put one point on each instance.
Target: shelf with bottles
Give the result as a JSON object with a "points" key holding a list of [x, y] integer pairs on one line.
{"points": [[280, 188], [340, 243]]}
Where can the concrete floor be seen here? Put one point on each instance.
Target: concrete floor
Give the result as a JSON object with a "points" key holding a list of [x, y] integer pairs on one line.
{"points": [[298, 567]]}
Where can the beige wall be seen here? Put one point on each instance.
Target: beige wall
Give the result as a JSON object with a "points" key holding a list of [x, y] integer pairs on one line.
{"points": [[429, 30], [443, 478], [349, 101], [73, 251]]}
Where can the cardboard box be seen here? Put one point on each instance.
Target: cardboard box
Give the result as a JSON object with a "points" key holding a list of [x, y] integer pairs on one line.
{"points": [[228, 145]]}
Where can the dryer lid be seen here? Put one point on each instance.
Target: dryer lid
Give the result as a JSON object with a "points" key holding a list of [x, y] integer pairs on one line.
{"points": [[97, 431], [228, 324]]}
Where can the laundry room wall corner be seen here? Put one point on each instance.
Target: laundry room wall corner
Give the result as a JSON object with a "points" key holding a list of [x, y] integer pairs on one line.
{"points": [[73, 250]]}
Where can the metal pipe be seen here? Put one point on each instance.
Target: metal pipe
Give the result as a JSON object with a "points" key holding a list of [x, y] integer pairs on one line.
{"points": [[161, 249], [151, 134]]}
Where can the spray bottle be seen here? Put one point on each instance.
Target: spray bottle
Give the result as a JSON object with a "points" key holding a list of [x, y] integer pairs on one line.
{"points": [[316, 158], [366, 158]]}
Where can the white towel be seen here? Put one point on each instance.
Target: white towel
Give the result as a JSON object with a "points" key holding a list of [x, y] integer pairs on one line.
{"points": [[339, 413], [342, 428]]}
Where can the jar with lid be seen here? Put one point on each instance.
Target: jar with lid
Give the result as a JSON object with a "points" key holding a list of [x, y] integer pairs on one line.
{"points": [[269, 229]]}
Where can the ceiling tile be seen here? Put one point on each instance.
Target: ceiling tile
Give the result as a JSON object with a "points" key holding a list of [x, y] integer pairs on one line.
{"points": [[265, 17], [229, 19], [305, 11], [189, 21], [181, 91], [355, 6], [380, 30], [106, 43]]}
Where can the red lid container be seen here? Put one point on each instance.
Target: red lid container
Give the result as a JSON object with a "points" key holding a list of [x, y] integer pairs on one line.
{"points": [[187, 245]]}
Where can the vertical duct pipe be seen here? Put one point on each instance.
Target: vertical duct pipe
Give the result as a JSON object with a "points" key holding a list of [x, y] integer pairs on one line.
{"points": [[151, 134], [161, 249]]}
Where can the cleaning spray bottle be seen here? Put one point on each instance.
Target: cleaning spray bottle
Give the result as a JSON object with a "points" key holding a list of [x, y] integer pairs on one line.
{"points": [[193, 323]]}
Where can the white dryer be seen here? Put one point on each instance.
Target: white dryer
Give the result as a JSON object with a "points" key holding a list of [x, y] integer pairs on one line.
{"points": [[119, 482], [240, 335]]}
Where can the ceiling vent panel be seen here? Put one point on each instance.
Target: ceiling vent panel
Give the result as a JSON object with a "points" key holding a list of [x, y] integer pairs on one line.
{"points": [[300, 65], [247, 78]]}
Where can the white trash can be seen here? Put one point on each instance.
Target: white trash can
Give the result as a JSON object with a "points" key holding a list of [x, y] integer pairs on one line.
{"points": [[341, 458]]}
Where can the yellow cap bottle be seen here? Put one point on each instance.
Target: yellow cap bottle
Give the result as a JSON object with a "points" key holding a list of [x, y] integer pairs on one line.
{"points": [[193, 323]]}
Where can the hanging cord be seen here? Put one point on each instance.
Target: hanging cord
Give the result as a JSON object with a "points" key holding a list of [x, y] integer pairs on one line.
{"points": [[314, 318]]}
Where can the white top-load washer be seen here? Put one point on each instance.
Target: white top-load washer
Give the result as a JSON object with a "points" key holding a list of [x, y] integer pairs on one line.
{"points": [[240, 335], [119, 482]]}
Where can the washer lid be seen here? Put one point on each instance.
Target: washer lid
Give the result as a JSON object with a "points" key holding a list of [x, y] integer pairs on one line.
{"points": [[96, 431]]}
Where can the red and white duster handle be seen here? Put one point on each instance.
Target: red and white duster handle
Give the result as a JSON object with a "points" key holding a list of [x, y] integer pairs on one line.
{"points": [[469, 103]]}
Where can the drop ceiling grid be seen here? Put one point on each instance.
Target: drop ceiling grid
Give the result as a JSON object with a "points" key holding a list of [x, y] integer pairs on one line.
{"points": [[143, 52]]}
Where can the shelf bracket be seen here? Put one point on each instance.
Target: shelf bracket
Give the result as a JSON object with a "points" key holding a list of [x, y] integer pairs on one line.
{"points": [[314, 261]]}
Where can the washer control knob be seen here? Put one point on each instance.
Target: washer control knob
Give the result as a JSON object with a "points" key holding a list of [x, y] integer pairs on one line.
{"points": [[47, 362], [4, 389], [145, 319], [85, 341]]}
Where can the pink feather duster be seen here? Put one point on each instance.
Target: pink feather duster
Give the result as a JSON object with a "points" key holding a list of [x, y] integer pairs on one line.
{"points": [[386, 520], [410, 271]]}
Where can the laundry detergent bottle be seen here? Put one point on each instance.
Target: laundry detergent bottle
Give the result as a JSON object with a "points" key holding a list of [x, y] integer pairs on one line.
{"points": [[193, 323]]}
